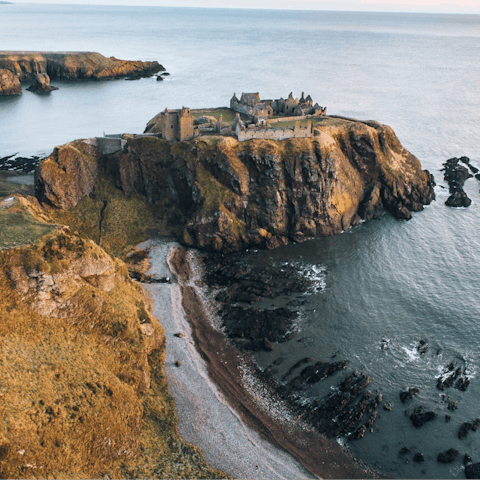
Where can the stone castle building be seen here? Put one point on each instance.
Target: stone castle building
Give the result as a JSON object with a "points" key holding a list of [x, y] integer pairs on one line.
{"points": [[177, 124], [259, 111]]}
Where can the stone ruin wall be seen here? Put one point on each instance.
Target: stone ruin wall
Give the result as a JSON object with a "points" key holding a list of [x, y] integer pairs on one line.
{"points": [[240, 107], [274, 134]]}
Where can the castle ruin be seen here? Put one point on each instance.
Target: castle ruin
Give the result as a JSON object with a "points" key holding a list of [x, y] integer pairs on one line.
{"points": [[177, 124], [260, 111]]}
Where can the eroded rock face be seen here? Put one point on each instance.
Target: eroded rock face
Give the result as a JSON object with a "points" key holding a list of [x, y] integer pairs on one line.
{"points": [[67, 175], [219, 194], [9, 83]]}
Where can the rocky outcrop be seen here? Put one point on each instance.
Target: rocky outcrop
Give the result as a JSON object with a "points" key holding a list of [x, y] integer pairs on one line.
{"points": [[40, 67], [223, 195], [41, 83], [67, 175], [9, 83]]}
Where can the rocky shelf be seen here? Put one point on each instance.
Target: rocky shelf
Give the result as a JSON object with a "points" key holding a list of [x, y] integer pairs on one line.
{"points": [[41, 67]]}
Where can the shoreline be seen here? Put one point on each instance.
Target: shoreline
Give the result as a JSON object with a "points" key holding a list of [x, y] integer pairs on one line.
{"points": [[310, 452]]}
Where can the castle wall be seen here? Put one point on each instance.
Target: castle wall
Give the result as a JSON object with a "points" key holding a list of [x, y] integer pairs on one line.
{"points": [[274, 134], [110, 145]]}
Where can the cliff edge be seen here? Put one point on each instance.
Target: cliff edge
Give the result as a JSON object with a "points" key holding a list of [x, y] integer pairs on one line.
{"points": [[219, 194]]}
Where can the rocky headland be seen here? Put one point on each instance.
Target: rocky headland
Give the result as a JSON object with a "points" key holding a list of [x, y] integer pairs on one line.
{"points": [[214, 193], [41, 67], [219, 194]]}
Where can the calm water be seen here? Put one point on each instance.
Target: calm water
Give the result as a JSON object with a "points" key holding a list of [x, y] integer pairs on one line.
{"points": [[402, 281]]}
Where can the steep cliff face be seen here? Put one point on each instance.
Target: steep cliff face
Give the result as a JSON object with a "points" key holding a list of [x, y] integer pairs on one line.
{"points": [[9, 83], [220, 194], [40, 67]]}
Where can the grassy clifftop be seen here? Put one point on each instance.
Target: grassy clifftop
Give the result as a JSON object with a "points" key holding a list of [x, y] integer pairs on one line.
{"points": [[81, 373]]}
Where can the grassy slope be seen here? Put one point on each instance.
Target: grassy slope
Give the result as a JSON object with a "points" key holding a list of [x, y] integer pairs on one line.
{"points": [[75, 403]]}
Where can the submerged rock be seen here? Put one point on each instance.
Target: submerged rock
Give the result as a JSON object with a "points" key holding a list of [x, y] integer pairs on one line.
{"points": [[420, 418], [447, 457], [410, 393], [419, 458]]}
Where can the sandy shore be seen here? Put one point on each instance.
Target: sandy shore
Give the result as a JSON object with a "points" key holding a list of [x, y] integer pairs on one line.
{"points": [[238, 431]]}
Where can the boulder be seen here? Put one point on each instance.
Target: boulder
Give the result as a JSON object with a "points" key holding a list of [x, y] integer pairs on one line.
{"points": [[419, 458], [205, 119], [458, 199], [9, 83]]}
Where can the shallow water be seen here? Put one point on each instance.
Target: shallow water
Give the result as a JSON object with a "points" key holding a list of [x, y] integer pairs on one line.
{"points": [[402, 281]]}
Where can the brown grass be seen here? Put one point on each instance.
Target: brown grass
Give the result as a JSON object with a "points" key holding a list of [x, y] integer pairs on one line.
{"points": [[76, 400]]}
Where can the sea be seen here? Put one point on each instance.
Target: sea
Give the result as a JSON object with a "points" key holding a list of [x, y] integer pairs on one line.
{"points": [[384, 285]]}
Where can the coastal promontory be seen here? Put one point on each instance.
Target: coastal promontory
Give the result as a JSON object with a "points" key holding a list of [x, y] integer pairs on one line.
{"points": [[41, 67], [217, 193]]}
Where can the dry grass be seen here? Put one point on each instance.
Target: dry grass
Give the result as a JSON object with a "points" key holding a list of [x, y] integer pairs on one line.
{"points": [[77, 400]]}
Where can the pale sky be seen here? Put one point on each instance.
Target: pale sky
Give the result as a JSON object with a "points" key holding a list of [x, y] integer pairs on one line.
{"points": [[460, 6]]}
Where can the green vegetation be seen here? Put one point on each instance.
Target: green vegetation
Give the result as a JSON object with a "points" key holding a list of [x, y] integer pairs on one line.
{"points": [[228, 115], [18, 225]]}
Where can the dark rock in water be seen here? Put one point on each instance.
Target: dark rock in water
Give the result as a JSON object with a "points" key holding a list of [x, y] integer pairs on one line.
{"points": [[464, 429], [467, 459], [447, 457], [420, 418], [404, 450], [455, 174], [473, 169], [407, 395], [462, 384], [458, 199], [313, 374], [451, 374], [165, 74], [41, 83], [477, 176], [422, 347], [472, 470], [159, 78], [419, 458], [451, 404], [467, 426], [299, 364], [448, 418], [341, 412]]}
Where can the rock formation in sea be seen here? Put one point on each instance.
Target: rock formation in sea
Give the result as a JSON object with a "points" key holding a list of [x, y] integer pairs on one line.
{"points": [[218, 194], [9, 83], [41, 67]]}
